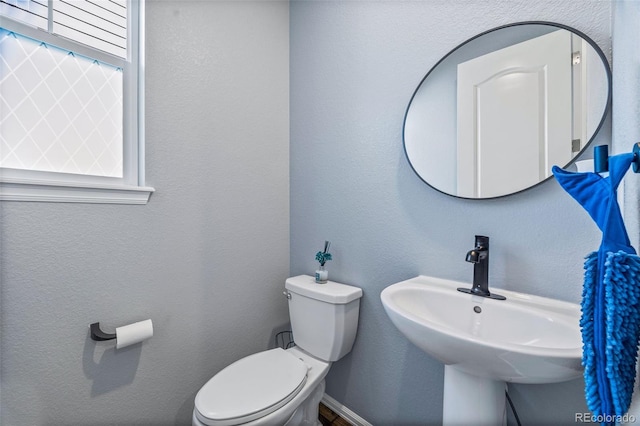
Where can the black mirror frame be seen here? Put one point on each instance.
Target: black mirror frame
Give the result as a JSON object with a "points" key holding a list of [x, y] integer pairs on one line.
{"points": [[607, 107]]}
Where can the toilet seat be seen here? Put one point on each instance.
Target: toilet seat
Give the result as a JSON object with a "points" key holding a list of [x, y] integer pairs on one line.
{"points": [[250, 388]]}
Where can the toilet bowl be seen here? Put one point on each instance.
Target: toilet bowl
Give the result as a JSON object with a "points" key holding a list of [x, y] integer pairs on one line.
{"points": [[272, 398], [284, 387]]}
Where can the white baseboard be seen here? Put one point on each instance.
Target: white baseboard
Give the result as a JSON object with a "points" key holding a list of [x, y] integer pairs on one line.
{"points": [[344, 412]]}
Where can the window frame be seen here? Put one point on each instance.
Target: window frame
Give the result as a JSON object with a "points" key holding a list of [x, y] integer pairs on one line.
{"points": [[33, 185]]}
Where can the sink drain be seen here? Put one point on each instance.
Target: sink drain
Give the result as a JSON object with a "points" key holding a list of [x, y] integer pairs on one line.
{"points": [[477, 309]]}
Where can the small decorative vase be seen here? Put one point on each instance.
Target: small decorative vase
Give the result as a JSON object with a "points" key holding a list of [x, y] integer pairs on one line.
{"points": [[322, 275]]}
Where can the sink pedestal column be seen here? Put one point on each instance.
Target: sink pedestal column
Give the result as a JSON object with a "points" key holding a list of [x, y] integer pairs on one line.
{"points": [[472, 400]]}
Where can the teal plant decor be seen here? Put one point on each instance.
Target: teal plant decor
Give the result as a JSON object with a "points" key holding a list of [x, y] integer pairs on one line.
{"points": [[322, 274], [323, 257]]}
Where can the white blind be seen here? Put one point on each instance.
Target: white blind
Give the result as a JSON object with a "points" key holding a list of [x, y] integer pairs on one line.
{"points": [[32, 12], [99, 24]]}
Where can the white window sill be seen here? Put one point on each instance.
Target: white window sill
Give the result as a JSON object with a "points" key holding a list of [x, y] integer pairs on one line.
{"points": [[13, 189]]}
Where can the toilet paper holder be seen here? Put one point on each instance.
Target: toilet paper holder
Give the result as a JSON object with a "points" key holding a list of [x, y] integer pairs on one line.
{"points": [[126, 335], [99, 335]]}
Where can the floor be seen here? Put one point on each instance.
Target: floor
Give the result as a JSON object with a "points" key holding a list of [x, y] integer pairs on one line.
{"points": [[328, 418]]}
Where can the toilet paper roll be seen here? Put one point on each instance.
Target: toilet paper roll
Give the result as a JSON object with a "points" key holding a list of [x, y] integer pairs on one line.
{"points": [[133, 333]]}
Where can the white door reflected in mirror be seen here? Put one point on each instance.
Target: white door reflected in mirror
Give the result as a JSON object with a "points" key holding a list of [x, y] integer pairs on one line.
{"points": [[511, 103]]}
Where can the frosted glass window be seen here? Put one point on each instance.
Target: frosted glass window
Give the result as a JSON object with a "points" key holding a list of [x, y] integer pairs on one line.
{"points": [[59, 112]]}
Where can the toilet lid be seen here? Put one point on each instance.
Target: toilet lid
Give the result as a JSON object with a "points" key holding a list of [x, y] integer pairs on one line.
{"points": [[251, 388]]}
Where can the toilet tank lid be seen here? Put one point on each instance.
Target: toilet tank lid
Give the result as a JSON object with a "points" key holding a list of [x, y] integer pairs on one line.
{"points": [[330, 292]]}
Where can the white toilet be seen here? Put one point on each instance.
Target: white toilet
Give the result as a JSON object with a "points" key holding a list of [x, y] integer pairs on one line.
{"points": [[284, 387]]}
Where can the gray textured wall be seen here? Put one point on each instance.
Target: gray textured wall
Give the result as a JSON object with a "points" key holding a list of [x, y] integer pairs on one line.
{"points": [[206, 259], [354, 67]]}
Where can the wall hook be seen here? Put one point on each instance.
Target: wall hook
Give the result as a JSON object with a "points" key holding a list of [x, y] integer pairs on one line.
{"points": [[601, 158], [98, 334]]}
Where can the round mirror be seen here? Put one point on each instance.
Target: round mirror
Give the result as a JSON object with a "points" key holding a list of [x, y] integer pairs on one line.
{"points": [[495, 114]]}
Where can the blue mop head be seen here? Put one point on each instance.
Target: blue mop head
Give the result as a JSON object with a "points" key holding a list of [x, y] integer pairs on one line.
{"points": [[592, 394], [622, 307], [609, 382]]}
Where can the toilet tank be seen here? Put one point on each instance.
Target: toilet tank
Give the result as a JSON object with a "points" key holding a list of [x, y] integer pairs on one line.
{"points": [[324, 317]]}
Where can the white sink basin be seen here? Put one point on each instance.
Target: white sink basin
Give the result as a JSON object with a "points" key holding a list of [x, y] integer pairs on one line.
{"points": [[524, 339]]}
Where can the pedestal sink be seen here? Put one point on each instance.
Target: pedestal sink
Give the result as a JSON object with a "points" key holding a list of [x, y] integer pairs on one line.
{"points": [[485, 343]]}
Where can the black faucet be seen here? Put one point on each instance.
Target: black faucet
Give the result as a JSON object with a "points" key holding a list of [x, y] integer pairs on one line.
{"points": [[479, 256]]}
